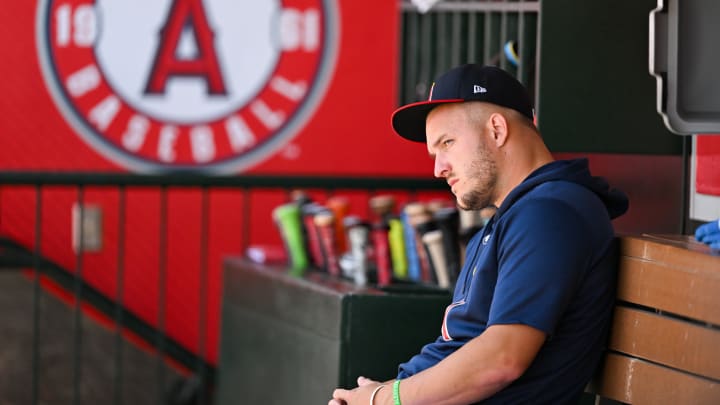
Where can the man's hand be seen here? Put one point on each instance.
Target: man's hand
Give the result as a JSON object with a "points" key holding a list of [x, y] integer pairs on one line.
{"points": [[359, 395]]}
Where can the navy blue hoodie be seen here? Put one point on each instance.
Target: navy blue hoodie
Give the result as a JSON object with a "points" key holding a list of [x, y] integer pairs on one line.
{"points": [[547, 259]]}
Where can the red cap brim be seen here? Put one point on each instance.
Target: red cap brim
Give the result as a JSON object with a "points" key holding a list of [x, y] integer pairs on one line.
{"points": [[408, 121]]}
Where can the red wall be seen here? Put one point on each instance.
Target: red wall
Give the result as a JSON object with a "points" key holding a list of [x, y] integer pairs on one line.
{"points": [[708, 165]]}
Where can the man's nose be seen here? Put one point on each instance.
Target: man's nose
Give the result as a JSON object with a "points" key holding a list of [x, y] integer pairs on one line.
{"points": [[441, 167]]}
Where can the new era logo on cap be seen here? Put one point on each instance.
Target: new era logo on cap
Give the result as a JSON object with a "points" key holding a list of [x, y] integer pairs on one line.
{"points": [[470, 82]]}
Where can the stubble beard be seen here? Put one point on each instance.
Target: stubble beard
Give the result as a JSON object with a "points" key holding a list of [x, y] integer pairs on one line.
{"points": [[483, 175]]}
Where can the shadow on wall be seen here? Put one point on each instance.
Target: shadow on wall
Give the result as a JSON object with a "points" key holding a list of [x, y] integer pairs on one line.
{"points": [[652, 182]]}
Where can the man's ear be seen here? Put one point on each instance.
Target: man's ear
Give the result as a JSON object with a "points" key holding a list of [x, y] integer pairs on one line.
{"points": [[498, 127]]}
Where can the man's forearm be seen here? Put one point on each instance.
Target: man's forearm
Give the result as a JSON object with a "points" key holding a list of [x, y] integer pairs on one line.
{"points": [[479, 369]]}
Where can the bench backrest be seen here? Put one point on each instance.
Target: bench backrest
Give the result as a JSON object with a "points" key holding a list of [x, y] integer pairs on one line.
{"points": [[665, 337]]}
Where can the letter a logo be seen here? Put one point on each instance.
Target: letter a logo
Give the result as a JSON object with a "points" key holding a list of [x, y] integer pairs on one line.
{"points": [[212, 86], [186, 15]]}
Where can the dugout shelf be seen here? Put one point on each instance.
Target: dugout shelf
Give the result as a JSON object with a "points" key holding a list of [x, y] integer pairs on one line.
{"points": [[287, 339]]}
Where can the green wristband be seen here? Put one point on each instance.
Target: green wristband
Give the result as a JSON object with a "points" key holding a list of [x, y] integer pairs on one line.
{"points": [[396, 392]]}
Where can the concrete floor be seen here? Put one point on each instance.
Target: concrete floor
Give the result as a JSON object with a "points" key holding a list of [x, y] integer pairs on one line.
{"points": [[134, 380]]}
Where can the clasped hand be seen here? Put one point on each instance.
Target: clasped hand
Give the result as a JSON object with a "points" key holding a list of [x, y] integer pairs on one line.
{"points": [[357, 396]]}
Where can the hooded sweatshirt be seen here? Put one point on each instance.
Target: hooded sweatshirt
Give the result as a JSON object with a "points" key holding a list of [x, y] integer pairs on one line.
{"points": [[547, 259]]}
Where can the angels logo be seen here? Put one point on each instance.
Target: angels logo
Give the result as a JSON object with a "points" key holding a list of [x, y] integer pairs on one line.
{"points": [[215, 85]]}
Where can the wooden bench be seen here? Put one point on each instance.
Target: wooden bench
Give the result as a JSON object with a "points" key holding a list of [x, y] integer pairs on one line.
{"points": [[664, 345]]}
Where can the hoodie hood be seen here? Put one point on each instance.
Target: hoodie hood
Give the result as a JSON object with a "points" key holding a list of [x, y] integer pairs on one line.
{"points": [[575, 171]]}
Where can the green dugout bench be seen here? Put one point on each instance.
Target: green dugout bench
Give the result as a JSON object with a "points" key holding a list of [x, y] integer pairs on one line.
{"points": [[289, 340]]}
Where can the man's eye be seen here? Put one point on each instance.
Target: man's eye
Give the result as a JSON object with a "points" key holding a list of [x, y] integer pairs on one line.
{"points": [[447, 142]]}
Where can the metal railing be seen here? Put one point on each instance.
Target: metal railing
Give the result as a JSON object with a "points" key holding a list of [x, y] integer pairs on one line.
{"points": [[453, 32]]}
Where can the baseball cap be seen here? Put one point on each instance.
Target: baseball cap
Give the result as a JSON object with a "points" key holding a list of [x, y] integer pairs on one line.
{"points": [[471, 82]]}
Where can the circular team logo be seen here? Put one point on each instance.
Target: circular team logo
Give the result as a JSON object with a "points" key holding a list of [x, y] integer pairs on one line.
{"points": [[213, 85]]}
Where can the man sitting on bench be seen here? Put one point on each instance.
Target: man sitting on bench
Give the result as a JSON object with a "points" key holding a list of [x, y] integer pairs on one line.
{"points": [[532, 306]]}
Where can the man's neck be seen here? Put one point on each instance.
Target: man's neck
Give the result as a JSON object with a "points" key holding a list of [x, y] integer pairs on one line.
{"points": [[518, 160]]}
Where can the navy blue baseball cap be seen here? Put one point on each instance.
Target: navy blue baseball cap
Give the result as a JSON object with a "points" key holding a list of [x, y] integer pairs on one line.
{"points": [[470, 82]]}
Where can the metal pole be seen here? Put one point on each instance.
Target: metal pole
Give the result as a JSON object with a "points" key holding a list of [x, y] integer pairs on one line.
{"points": [[202, 316], [119, 292], [162, 285], [36, 296], [77, 352]]}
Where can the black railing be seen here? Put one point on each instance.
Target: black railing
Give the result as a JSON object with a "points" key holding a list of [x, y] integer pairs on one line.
{"points": [[237, 181]]}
